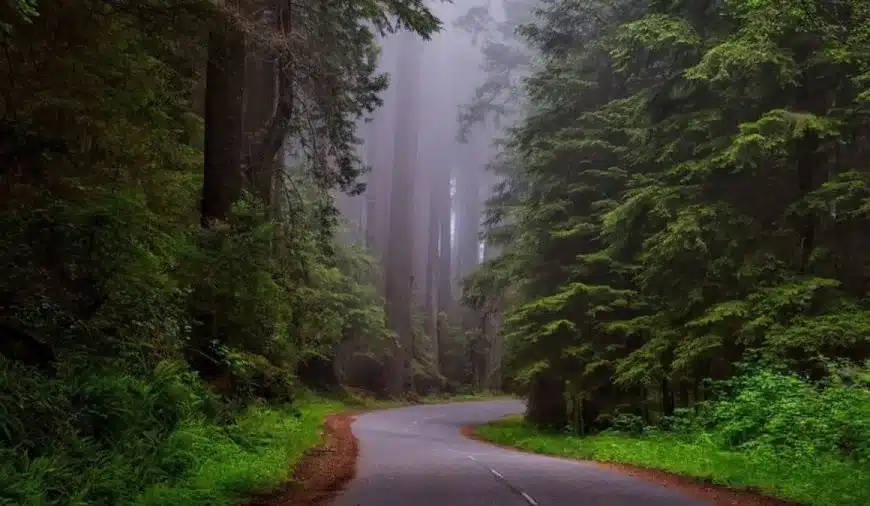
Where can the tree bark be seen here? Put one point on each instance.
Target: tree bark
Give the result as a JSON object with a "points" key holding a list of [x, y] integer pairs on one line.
{"points": [[547, 407], [382, 143], [371, 222], [400, 247], [667, 398], [274, 132], [222, 171], [429, 287], [469, 216], [443, 278], [260, 94], [468, 192]]}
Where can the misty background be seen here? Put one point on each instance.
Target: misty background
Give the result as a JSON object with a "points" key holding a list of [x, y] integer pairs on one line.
{"points": [[433, 152]]}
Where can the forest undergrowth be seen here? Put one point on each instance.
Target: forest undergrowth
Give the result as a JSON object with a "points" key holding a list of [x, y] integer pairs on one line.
{"points": [[773, 433], [171, 390], [164, 438]]}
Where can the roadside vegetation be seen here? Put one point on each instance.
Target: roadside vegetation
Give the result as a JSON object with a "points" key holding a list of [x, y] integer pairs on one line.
{"points": [[225, 464], [774, 433]]}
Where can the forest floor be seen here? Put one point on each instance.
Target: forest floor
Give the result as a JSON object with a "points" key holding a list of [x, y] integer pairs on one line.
{"points": [[724, 478]]}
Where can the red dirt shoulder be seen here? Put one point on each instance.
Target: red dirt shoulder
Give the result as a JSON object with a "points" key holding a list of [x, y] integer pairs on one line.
{"points": [[323, 471]]}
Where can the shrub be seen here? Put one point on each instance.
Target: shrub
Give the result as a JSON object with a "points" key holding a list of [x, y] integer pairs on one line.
{"points": [[788, 413]]}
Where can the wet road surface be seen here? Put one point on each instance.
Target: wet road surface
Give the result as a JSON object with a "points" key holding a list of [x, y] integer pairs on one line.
{"points": [[416, 456]]}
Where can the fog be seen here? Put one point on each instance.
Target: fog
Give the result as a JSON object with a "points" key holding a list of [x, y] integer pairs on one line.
{"points": [[431, 149]]}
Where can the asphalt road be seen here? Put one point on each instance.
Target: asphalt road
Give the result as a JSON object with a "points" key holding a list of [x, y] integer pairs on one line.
{"points": [[416, 457]]}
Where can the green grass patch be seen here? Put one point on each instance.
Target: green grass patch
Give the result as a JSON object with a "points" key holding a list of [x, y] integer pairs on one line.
{"points": [[816, 481], [257, 453]]}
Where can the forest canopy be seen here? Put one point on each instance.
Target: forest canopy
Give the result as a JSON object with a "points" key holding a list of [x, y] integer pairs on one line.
{"points": [[686, 195]]}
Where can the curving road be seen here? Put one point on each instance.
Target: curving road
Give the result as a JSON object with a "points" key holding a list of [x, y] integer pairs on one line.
{"points": [[416, 457]]}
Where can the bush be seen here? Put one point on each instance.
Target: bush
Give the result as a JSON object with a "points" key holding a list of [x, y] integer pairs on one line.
{"points": [[683, 421], [222, 465], [784, 412], [92, 436], [628, 423]]}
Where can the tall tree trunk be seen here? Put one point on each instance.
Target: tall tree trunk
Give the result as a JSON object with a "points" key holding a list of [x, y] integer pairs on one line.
{"points": [[382, 162], [222, 172], [667, 395], [439, 158], [263, 161], [371, 149], [469, 217], [420, 218], [432, 149], [443, 279], [468, 193], [806, 168], [547, 406], [429, 287], [259, 108], [400, 247]]}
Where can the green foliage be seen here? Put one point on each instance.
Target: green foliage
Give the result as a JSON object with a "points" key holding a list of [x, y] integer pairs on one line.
{"points": [[114, 405], [782, 413], [144, 359], [170, 450], [61, 435], [822, 481], [499, 99], [225, 464], [772, 431], [687, 193]]}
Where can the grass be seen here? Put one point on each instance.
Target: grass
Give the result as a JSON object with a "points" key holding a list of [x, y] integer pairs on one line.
{"points": [[255, 454], [816, 481]]}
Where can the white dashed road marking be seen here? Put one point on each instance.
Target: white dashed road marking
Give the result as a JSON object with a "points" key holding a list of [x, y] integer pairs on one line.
{"points": [[468, 454], [529, 499]]}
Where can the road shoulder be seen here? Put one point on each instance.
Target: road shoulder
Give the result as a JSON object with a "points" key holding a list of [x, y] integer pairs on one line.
{"points": [[716, 495], [323, 471]]}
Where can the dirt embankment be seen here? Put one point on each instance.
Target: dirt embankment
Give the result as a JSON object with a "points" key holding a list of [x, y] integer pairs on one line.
{"points": [[323, 471], [716, 495]]}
